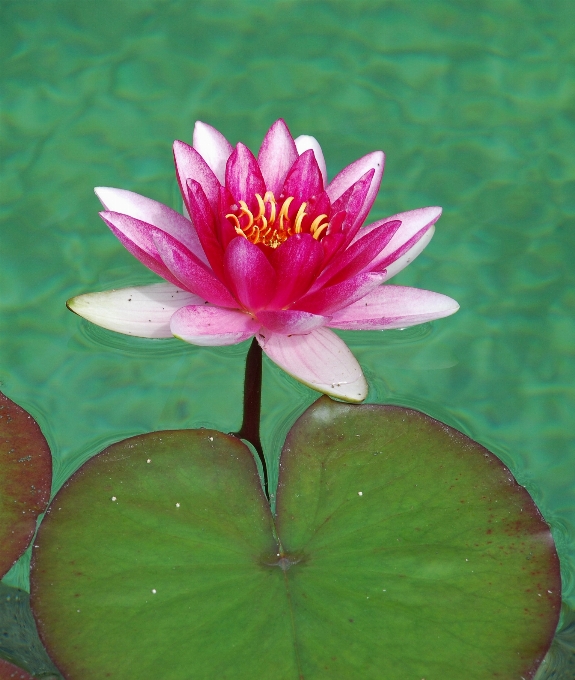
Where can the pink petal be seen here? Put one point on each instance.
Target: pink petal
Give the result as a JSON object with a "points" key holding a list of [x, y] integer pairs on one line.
{"points": [[142, 311], [393, 307], [190, 165], [358, 256], [136, 237], [305, 142], [192, 273], [276, 156], [225, 230], [289, 322], [413, 222], [304, 179], [204, 221], [296, 262], [154, 213], [332, 298], [213, 147], [332, 244], [320, 360], [352, 202], [250, 273], [206, 325], [352, 173], [243, 177]]}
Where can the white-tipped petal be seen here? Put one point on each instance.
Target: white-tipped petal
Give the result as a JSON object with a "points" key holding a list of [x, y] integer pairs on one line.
{"points": [[408, 257], [321, 360], [213, 147], [389, 307], [142, 311], [305, 142], [412, 223], [152, 212]]}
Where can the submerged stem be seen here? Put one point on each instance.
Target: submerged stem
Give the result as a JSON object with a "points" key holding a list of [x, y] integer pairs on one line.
{"points": [[250, 429]]}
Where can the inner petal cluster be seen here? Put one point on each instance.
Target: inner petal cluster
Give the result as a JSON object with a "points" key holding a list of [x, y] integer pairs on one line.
{"points": [[276, 220]]}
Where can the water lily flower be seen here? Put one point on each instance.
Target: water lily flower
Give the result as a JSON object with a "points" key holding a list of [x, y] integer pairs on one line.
{"points": [[268, 248]]}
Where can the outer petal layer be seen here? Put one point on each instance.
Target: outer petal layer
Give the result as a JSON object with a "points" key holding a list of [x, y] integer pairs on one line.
{"points": [[415, 232], [333, 298], [393, 307], [213, 147], [190, 165], [154, 213], [276, 156], [305, 142], [210, 326], [143, 311], [320, 360], [289, 322], [192, 273], [352, 173]]}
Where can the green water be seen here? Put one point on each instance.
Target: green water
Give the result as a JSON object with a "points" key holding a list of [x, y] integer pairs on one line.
{"points": [[474, 105]]}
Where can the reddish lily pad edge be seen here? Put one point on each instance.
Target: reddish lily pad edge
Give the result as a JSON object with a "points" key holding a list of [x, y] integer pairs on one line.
{"points": [[25, 480]]}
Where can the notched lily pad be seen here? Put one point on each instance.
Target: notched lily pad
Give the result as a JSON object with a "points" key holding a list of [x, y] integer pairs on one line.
{"points": [[407, 551], [25, 480]]}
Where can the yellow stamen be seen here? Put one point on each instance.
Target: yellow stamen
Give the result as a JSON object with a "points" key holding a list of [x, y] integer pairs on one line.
{"points": [[265, 230], [317, 232], [262, 207], [269, 197], [299, 217], [315, 223], [233, 217], [246, 211], [284, 211]]}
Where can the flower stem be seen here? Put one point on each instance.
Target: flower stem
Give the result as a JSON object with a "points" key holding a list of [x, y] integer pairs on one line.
{"points": [[250, 429]]}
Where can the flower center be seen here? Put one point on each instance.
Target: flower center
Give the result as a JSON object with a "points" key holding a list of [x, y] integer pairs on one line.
{"points": [[273, 225]]}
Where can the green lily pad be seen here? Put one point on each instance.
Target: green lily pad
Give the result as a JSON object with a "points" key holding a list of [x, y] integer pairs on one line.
{"points": [[407, 551], [25, 480]]}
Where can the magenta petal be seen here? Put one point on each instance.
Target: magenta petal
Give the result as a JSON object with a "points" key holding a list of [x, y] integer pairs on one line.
{"points": [[250, 273], [190, 165], [393, 307], [416, 231], [358, 256], [276, 156], [352, 202], [321, 360], [291, 322], [244, 178], [332, 298], [152, 212], [305, 142], [296, 262], [332, 244], [136, 237], [204, 221], [213, 147], [355, 171], [304, 180], [192, 273], [206, 325]]}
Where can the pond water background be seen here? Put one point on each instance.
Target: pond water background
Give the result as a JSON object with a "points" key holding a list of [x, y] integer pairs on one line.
{"points": [[474, 105]]}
